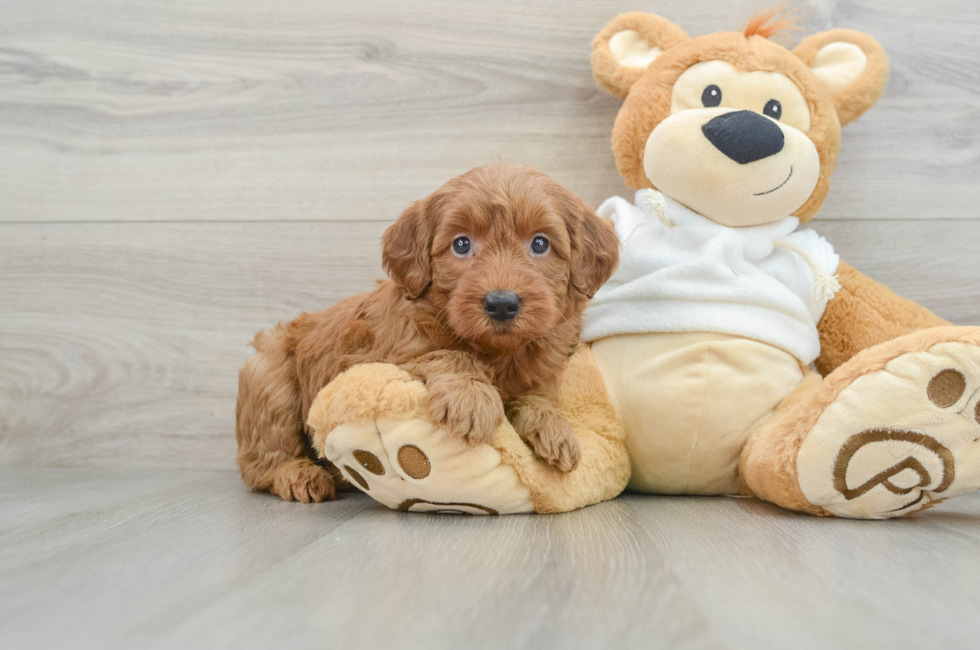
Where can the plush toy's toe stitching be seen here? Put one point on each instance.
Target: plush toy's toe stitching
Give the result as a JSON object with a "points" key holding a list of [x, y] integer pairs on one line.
{"points": [[440, 472], [416, 466], [356, 478], [904, 476], [357, 450], [421, 505], [414, 461], [946, 388], [898, 439], [369, 461], [371, 422]]}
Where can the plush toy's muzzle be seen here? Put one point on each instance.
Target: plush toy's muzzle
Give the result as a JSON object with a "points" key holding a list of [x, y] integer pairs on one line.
{"points": [[736, 167]]}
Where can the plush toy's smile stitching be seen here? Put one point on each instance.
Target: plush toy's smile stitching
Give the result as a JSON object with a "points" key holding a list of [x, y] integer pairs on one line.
{"points": [[778, 186]]}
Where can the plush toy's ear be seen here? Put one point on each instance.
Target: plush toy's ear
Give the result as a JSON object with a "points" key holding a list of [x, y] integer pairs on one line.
{"points": [[622, 51], [406, 249], [852, 66]]}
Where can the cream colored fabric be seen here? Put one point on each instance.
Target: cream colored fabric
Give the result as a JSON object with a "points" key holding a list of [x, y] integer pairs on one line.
{"points": [[604, 469], [459, 477], [689, 402], [741, 89], [632, 50], [838, 64], [370, 422], [695, 275], [899, 438], [686, 166]]}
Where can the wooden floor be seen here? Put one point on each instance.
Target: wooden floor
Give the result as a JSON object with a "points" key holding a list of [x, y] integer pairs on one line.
{"points": [[188, 559], [175, 176]]}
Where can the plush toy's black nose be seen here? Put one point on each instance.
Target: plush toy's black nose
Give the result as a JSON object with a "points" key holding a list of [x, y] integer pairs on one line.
{"points": [[501, 305], [744, 136]]}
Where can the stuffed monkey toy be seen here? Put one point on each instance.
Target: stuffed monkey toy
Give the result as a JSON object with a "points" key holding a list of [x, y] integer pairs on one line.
{"points": [[733, 352]]}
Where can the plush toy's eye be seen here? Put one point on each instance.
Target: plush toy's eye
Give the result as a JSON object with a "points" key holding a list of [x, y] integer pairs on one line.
{"points": [[773, 109], [711, 96], [462, 246], [540, 245]]}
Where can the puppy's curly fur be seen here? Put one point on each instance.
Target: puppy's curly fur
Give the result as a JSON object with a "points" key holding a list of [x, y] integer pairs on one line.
{"points": [[431, 320]]}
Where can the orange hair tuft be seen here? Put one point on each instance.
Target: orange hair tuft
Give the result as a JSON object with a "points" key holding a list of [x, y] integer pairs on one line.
{"points": [[776, 21]]}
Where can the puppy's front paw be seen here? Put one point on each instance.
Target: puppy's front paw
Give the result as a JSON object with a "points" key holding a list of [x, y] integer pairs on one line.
{"points": [[550, 436], [468, 408]]}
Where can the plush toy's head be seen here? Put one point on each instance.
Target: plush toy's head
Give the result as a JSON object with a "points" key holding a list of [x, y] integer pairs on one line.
{"points": [[731, 124]]}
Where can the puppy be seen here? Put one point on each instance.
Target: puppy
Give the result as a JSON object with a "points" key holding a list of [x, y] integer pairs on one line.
{"points": [[489, 276]]}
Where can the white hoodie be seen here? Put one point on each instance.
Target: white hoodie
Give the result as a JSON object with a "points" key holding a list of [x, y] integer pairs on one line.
{"points": [[681, 272]]}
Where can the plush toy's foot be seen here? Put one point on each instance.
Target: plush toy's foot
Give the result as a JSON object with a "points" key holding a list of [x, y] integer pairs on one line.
{"points": [[380, 440], [898, 439], [891, 432], [372, 424]]}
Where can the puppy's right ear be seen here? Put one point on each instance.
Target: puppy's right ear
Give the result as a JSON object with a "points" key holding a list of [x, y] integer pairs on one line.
{"points": [[406, 249]]}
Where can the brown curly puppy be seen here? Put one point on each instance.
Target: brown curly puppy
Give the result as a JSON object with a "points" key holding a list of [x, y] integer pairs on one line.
{"points": [[490, 275]]}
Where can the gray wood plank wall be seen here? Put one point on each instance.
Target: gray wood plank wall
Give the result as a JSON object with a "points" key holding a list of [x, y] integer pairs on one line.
{"points": [[175, 176]]}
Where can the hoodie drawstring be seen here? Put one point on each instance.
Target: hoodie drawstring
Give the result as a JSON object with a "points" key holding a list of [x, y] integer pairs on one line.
{"points": [[824, 286], [657, 206]]}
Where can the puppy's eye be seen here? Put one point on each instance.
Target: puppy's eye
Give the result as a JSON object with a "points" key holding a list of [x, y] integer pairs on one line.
{"points": [[462, 246], [773, 109], [540, 245], [711, 96]]}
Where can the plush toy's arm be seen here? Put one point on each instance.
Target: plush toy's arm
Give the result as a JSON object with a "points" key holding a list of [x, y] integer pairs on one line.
{"points": [[865, 313]]}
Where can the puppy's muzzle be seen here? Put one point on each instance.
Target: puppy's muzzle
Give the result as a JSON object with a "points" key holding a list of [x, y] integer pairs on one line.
{"points": [[501, 305]]}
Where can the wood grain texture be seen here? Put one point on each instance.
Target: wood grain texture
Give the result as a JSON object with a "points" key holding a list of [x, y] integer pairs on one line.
{"points": [[125, 340], [138, 110], [189, 559], [120, 344], [175, 176]]}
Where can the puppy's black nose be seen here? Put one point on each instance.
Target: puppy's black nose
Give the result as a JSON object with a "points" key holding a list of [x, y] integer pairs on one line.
{"points": [[501, 305], [744, 136]]}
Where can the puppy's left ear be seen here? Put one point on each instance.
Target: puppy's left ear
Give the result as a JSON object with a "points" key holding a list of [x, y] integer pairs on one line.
{"points": [[850, 65], [595, 247], [406, 248]]}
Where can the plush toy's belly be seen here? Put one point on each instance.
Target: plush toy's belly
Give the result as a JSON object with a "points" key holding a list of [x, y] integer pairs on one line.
{"points": [[689, 401]]}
